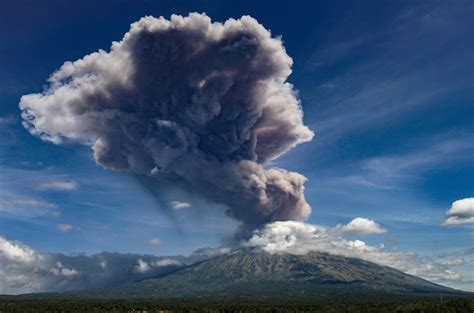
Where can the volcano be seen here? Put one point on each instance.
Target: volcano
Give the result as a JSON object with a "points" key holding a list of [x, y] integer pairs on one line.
{"points": [[252, 273]]}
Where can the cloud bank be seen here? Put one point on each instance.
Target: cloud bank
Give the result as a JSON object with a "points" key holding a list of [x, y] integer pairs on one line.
{"points": [[24, 270], [200, 103], [300, 238], [460, 213]]}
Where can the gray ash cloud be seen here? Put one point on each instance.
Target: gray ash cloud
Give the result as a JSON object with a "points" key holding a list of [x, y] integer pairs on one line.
{"points": [[203, 105]]}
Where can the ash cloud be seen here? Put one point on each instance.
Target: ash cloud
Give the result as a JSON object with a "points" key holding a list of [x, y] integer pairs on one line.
{"points": [[203, 105]]}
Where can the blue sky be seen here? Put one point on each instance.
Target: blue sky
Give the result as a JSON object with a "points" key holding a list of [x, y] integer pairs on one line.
{"points": [[386, 86]]}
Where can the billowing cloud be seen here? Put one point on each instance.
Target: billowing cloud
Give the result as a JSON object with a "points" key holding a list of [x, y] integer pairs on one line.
{"points": [[199, 103], [24, 270], [362, 226], [300, 238], [178, 205], [461, 212], [15, 252], [64, 227], [59, 185]]}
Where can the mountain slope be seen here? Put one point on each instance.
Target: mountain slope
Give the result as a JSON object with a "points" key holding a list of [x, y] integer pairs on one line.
{"points": [[250, 273]]}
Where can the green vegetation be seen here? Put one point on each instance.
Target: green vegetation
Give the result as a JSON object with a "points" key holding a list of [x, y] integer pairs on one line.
{"points": [[457, 305], [247, 281], [246, 273]]}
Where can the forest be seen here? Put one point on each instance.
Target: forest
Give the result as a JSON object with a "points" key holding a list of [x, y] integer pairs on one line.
{"points": [[458, 305]]}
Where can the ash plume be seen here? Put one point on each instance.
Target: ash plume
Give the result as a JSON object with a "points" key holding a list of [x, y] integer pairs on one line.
{"points": [[204, 105]]}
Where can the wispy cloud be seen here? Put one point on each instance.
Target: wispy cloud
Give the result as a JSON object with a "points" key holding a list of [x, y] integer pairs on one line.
{"points": [[59, 185], [28, 207], [6, 121], [65, 227], [29, 202], [178, 205], [156, 241], [391, 72], [394, 170]]}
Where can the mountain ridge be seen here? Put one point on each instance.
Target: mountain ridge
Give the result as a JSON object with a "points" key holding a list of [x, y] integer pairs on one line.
{"points": [[252, 273]]}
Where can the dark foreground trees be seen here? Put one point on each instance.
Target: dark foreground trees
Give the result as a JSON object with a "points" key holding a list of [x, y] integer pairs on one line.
{"points": [[460, 305]]}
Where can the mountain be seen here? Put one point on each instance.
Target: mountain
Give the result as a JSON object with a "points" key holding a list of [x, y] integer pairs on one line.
{"points": [[256, 274]]}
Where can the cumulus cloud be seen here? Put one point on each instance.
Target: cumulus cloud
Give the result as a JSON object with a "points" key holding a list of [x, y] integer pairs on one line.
{"points": [[178, 205], [201, 104], [59, 185], [15, 252], [24, 270], [300, 238], [362, 226], [155, 241], [461, 212], [64, 227]]}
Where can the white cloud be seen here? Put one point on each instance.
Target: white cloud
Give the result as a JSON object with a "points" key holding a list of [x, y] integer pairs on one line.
{"points": [[103, 264], [29, 202], [142, 266], [15, 252], [155, 241], [59, 186], [64, 227], [300, 238], [167, 262], [460, 213], [453, 262], [60, 270], [362, 226], [28, 207], [178, 205]]}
